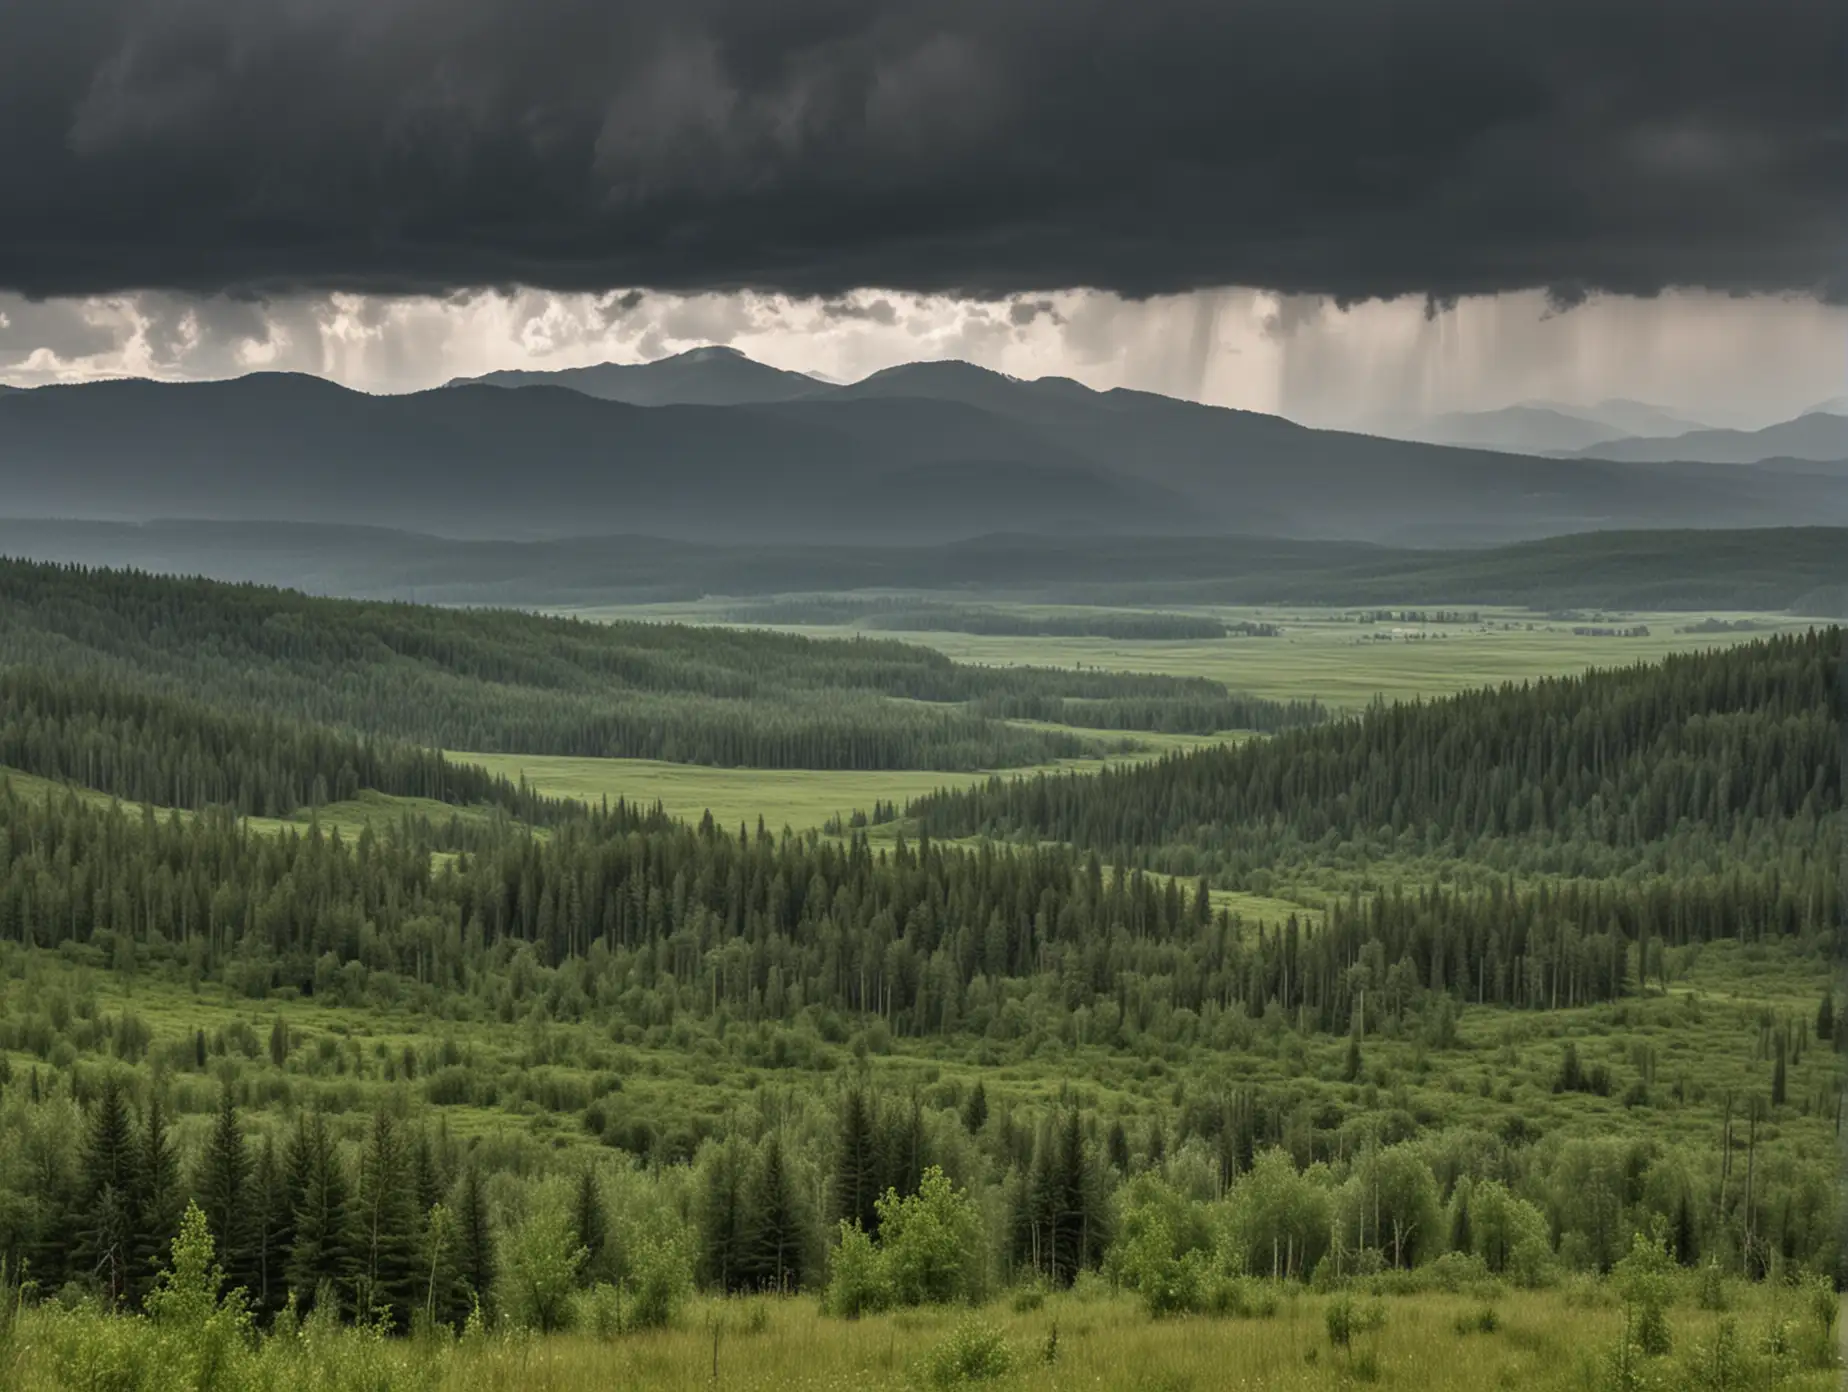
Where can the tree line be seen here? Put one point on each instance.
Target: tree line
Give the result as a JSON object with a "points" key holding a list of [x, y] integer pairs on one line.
{"points": [[501, 681]]}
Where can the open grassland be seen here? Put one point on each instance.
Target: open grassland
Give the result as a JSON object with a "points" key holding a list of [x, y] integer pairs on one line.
{"points": [[1338, 656], [800, 799], [1464, 1341]]}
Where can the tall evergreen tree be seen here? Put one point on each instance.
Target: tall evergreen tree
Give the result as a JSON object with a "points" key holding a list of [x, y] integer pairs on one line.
{"points": [[108, 1232], [476, 1257], [272, 1230], [777, 1252], [226, 1196], [591, 1224], [975, 1109], [388, 1226], [322, 1261], [857, 1162]]}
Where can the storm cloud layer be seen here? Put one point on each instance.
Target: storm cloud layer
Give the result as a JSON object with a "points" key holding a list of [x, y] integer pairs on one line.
{"points": [[1351, 148]]}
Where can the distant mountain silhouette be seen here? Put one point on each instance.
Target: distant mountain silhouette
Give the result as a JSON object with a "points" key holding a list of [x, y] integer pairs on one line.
{"points": [[1517, 429], [1625, 417], [919, 453], [1818, 436], [710, 376]]}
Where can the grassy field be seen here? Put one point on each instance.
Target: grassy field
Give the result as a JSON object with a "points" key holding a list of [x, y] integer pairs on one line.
{"points": [[1329, 654], [800, 799], [1550, 1341]]}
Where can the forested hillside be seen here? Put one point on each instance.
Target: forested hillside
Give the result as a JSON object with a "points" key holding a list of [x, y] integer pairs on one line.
{"points": [[496, 680], [1563, 1000], [1715, 750]]}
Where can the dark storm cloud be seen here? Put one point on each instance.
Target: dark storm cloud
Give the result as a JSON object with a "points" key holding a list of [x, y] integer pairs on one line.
{"points": [[1350, 148]]}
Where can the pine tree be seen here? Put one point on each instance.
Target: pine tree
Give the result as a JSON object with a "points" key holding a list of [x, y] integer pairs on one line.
{"points": [[107, 1232], [272, 1231], [321, 1257], [1116, 1147], [975, 1110], [224, 1189], [779, 1236], [388, 1226], [476, 1259], [159, 1202], [591, 1224], [857, 1163], [1825, 1019], [724, 1229]]}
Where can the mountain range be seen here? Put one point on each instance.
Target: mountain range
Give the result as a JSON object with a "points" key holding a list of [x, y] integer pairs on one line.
{"points": [[1817, 436], [713, 447], [1545, 427]]}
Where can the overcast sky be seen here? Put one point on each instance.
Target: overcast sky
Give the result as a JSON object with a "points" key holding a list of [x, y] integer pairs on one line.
{"points": [[1446, 204]]}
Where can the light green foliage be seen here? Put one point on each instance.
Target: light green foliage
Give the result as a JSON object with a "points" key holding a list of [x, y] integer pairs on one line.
{"points": [[661, 1273], [857, 1280], [976, 1351], [1645, 1281], [541, 1257], [1162, 1248], [1279, 1218], [931, 1243]]}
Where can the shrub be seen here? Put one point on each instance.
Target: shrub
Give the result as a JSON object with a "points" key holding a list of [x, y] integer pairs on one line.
{"points": [[542, 1262], [931, 1242], [975, 1352], [857, 1282], [1644, 1279], [661, 1272], [1482, 1321]]}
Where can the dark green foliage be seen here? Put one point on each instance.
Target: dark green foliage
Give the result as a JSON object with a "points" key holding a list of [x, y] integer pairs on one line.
{"points": [[387, 1226], [108, 1233], [125, 735], [272, 1231], [476, 1259], [1060, 1221], [227, 1192], [1728, 741], [322, 1258], [590, 1224], [975, 1109], [858, 1166], [776, 1255], [502, 681], [160, 1199]]}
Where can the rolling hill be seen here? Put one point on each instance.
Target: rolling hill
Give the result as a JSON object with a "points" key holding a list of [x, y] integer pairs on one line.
{"points": [[1817, 436], [922, 453]]}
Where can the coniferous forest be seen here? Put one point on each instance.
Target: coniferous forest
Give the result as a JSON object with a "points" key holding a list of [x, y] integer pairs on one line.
{"points": [[1526, 990]]}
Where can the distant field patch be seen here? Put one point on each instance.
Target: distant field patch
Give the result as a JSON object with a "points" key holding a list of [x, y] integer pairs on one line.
{"points": [[1346, 657]]}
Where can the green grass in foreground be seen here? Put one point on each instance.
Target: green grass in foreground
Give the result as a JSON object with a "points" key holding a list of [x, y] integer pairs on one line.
{"points": [[1435, 1342]]}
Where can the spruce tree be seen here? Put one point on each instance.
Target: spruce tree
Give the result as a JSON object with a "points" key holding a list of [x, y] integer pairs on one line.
{"points": [[111, 1179], [476, 1258], [779, 1236], [159, 1200], [226, 1198], [590, 1223], [723, 1225], [272, 1231], [388, 1226], [321, 1257], [857, 1164], [975, 1110]]}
